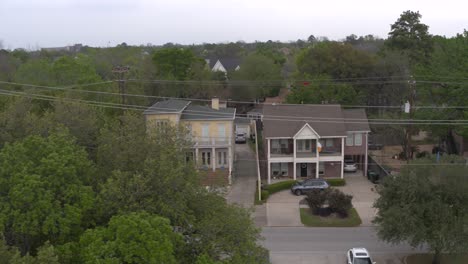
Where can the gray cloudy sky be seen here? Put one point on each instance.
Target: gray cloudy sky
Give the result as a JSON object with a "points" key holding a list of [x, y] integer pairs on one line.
{"points": [[47, 23]]}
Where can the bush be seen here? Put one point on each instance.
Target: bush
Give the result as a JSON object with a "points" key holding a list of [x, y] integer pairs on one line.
{"points": [[280, 186], [265, 195], [336, 182], [316, 199], [339, 202]]}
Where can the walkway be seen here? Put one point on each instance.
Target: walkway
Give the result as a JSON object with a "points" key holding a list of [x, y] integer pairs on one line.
{"points": [[245, 175]]}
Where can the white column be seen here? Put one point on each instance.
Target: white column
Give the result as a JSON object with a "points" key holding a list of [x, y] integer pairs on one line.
{"points": [[365, 158], [269, 171], [268, 143], [196, 158], [294, 159], [342, 156], [318, 159], [230, 164], [213, 158]]}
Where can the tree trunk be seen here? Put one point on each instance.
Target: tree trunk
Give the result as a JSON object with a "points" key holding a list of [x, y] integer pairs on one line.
{"points": [[436, 259]]}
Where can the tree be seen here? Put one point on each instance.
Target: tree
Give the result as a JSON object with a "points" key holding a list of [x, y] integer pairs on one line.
{"points": [[411, 37], [426, 205], [130, 238], [262, 76], [175, 63], [44, 192]]}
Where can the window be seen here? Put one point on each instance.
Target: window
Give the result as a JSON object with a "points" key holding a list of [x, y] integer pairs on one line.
{"points": [[221, 132], [222, 158], [303, 145], [307, 144], [357, 139], [205, 132], [279, 169], [206, 158], [329, 142], [349, 140], [162, 123]]}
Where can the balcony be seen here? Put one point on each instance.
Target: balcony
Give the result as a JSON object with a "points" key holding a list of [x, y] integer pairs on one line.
{"points": [[206, 142], [281, 152]]}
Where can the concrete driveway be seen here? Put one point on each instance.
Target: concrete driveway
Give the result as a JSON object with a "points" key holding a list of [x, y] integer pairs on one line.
{"points": [[364, 195], [242, 190], [282, 208]]}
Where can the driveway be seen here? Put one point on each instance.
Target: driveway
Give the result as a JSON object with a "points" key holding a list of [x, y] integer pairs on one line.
{"points": [[282, 208], [364, 195], [242, 190]]}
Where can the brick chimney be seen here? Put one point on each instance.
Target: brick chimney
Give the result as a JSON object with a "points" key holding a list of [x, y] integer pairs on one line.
{"points": [[215, 103]]}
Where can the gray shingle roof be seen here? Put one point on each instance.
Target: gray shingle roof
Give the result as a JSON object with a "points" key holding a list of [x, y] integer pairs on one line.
{"points": [[311, 114], [199, 112], [355, 114], [167, 106]]}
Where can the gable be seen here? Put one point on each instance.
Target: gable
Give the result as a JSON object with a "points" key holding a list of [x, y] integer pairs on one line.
{"points": [[306, 132], [218, 67]]}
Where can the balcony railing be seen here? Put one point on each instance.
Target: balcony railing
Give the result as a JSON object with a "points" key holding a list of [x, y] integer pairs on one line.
{"points": [[211, 141]]}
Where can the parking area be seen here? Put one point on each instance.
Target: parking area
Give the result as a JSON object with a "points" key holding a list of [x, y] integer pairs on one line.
{"points": [[330, 258], [282, 208]]}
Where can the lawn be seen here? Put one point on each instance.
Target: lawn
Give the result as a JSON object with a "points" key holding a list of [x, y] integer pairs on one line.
{"points": [[427, 258], [311, 220]]}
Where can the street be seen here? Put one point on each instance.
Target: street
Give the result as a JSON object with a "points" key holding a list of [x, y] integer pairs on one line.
{"points": [[327, 245]]}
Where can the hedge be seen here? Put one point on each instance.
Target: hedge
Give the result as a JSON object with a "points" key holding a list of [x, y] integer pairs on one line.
{"points": [[336, 182], [280, 186]]}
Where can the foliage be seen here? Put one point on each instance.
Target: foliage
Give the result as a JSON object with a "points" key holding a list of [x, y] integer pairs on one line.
{"points": [[316, 200], [336, 182], [339, 202], [280, 186], [176, 63], [265, 194], [44, 190], [264, 78], [411, 37], [426, 204], [311, 220], [322, 92], [130, 238]]}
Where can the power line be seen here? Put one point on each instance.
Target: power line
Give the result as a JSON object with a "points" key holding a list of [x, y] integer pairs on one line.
{"points": [[213, 115], [70, 88]]}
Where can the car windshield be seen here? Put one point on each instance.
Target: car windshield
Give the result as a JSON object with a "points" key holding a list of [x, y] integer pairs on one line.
{"points": [[362, 261]]}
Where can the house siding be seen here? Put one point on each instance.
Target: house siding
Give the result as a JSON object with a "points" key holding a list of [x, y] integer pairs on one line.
{"points": [[357, 150]]}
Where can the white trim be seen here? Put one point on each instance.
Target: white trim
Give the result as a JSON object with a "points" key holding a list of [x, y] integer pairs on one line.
{"points": [[220, 67], [278, 138], [333, 137], [300, 130], [342, 157]]}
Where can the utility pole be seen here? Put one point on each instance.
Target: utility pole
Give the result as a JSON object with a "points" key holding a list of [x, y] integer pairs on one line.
{"points": [[120, 72], [409, 129]]}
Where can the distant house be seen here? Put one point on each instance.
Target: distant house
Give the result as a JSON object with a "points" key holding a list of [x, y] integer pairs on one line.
{"points": [[211, 129], [75, 48], [312, 141], [223, 64]]}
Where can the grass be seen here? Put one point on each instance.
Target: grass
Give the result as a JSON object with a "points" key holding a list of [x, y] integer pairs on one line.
{"points": [[311, 220], [427, 258]]}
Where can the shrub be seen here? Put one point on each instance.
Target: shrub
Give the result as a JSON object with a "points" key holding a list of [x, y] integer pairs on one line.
{"points": [[336, 182], [280, 186], [265, 195], [339, 202], [316, 199]]}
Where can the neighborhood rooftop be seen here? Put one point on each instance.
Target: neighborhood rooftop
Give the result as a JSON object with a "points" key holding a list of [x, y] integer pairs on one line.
{"points": [[167, 106], [326, 120], [199, 112]]}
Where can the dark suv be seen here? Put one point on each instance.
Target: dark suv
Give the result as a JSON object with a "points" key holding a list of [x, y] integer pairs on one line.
{"points": [[302, 187]]}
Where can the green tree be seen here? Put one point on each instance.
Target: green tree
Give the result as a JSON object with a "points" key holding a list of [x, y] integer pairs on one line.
{"points": [[43, 191], [411, 37], [257, 77], [426, 205], [176, 63], [130, 238]]}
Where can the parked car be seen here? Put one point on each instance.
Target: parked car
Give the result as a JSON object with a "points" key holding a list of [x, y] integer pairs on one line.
{"points": [[358, 256], [240, 138], [349, 165], [300, 188]]}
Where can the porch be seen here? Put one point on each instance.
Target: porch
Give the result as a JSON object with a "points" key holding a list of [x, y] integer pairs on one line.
{"points": [[303, 170]]}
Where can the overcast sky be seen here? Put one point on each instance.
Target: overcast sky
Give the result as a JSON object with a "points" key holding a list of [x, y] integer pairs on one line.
{"points": [[34, 24]]}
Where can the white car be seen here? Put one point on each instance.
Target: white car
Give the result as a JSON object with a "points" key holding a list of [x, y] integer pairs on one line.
{"points": [[358, 256], [349, 165], [240, 138]]}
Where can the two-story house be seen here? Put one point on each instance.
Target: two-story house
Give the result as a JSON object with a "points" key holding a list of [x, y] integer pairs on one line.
{"points": [[211, 130], [313, 140]]}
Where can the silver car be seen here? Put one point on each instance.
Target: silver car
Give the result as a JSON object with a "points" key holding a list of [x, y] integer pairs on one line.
{"points": [[240, 138], [349, 165], [302, 187], [358, 256]]}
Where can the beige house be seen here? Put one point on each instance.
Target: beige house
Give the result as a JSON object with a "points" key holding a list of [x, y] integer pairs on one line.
{"points": [[211, 129]]}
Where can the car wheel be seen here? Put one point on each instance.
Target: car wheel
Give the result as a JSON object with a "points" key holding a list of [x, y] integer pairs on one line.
{"points": [[297, 192]]}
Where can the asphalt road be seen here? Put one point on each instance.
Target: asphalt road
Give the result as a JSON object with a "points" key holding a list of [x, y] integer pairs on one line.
{"points": [[327, 245]]}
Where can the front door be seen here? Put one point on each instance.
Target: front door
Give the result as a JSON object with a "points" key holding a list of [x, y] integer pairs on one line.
{"points": [[303, 169]]}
